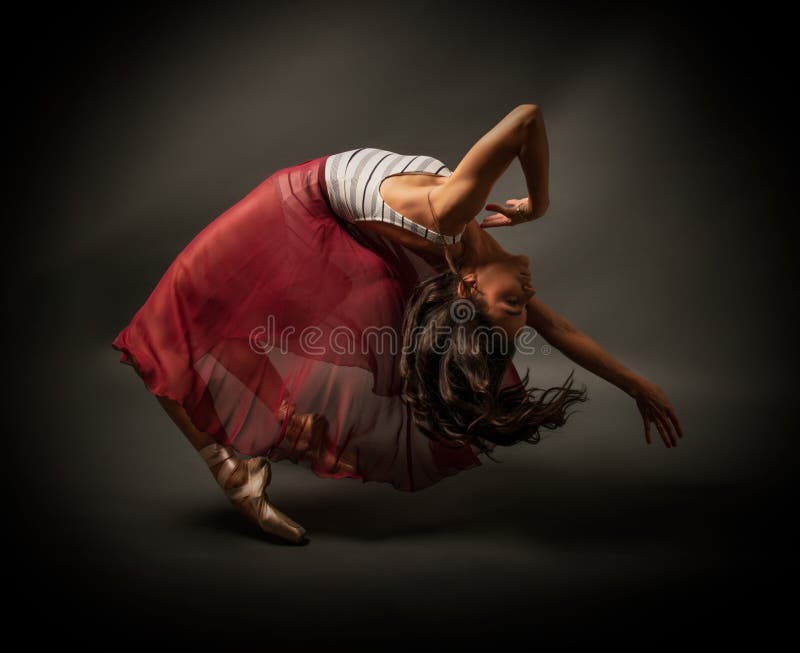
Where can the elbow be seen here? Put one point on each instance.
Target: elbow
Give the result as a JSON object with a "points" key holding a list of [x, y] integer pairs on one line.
{"points": [[530, 113]]}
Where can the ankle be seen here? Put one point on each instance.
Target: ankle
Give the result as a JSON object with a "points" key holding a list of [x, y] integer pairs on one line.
{"points": [[236, 478]]}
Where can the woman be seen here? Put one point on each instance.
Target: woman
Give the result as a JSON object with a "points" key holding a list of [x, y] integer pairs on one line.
{"points": [[305, 323]]}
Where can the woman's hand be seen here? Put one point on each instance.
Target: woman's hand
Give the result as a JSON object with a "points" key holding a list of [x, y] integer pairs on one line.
{"points": [[655, 407], [516, 212]]}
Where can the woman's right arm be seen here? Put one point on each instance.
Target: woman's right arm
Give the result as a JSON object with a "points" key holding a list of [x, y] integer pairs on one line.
{"points": [[534, 155], [463, 195]]}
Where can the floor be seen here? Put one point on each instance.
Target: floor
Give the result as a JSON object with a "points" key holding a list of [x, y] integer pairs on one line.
{"points": [[125, 533]]}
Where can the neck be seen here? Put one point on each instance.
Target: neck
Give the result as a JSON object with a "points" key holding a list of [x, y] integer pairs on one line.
{"points": [[477, 247]]}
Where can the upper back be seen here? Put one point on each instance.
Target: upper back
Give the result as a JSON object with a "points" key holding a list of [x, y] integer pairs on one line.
{"points": [[353, 179]]}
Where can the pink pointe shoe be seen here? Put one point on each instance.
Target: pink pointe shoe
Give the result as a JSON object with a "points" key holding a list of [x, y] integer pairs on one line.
{"points": [[250, 498]]}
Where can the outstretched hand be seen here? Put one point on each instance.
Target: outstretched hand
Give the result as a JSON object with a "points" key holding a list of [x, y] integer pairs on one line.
{"points": [[516, 212], [656, 408]]}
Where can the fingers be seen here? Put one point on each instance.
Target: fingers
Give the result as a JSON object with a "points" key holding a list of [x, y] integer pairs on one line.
{"points": [[665, 424], [505, 210], [496, 220], [664, 408], [661, 430], [674, 418], [500, 209], [649, 416], [647, 435], [662, 425]]}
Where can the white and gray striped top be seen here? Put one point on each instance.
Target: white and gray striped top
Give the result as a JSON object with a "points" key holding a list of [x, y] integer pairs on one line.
{"points": [[354, 177]]}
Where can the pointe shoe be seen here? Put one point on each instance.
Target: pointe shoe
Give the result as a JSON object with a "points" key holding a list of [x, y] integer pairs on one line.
{"points": [[306, 434], [305, 430], [251, 498]]}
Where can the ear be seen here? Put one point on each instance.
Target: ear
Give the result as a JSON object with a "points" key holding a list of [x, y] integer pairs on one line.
{"points": [[470, 279]]}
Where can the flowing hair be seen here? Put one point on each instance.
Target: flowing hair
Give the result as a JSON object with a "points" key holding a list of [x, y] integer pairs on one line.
{"points": [[452, 383]]}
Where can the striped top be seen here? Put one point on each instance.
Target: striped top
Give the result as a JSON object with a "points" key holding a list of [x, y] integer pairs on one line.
{"points": [[354, 177]]}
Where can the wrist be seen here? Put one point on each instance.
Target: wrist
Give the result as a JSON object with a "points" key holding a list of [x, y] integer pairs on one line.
{"points": [[539, 205], [630, 383]]}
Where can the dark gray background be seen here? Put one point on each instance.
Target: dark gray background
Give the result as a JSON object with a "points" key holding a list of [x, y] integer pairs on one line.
{"points": [[668, 239]]}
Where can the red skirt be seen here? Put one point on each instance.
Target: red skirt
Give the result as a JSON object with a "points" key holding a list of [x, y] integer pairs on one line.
{"points": [[278, 298]]}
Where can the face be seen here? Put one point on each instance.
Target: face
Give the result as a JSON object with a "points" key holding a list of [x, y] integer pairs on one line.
{"points": [[506, 288]]}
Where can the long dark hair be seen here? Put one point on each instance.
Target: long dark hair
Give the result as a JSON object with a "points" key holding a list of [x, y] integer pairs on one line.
{"points": [[452, 383]]}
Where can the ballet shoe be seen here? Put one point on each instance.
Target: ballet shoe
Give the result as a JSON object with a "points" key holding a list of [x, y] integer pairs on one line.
{"points": [[250, 498], [306, 435], [306, 431]]}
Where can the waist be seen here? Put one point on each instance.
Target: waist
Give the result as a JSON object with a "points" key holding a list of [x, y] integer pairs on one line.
{"points": [[306, 174]]}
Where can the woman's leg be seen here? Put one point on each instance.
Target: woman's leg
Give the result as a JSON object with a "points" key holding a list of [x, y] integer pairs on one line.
{"points": [[255, 506], [197, 438]]}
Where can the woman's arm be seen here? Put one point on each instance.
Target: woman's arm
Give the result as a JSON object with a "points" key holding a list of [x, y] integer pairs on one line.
{"points": [[534, 156], [535, 159], [464, 193], [580, 348]]}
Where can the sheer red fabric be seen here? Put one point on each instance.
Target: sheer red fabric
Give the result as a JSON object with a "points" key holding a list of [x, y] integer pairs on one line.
{"points": [[279, 298]]}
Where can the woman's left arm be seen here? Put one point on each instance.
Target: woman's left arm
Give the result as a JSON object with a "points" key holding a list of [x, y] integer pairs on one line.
{"points": [[651, 401]]}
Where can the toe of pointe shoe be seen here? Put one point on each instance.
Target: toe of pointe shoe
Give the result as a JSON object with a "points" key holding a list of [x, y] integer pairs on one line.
{"points": [[275, 522]]}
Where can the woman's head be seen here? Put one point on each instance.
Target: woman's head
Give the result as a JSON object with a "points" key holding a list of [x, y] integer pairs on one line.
{"points": [[504, 286], [458, 341]]}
